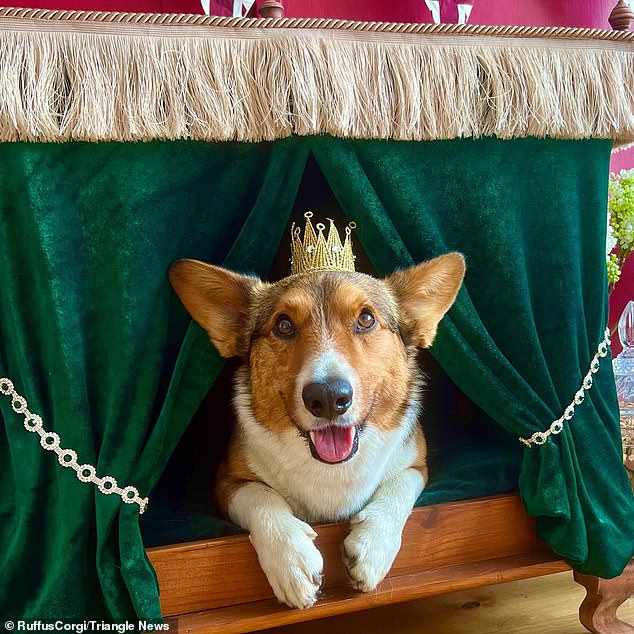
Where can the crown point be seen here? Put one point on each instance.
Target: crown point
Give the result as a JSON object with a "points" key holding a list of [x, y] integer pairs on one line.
{"points": [[316, 252]]}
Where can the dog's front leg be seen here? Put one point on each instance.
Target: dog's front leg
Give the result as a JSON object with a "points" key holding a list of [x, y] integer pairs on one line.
{"points": [[284, 543], [375, 536]]}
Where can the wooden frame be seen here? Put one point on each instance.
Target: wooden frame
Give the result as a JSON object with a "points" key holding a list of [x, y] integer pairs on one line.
{"points": [[217, 585]]}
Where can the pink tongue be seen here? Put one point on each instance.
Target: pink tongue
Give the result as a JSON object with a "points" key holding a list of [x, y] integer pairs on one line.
{"points": [[333, 444]]}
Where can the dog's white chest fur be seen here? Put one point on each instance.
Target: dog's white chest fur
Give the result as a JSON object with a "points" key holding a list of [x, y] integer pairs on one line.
{"points": [[375, 489], [315, 491]]}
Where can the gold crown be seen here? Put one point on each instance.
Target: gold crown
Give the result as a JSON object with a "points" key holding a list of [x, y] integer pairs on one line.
{"points": [[318, 253]]}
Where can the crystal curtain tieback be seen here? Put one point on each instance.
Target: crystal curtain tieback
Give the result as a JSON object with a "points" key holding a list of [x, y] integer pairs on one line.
{"points": [[67, 457], [557, 426]]}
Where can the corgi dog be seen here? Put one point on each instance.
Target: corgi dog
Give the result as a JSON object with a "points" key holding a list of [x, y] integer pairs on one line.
{"points": [[327, 402]]}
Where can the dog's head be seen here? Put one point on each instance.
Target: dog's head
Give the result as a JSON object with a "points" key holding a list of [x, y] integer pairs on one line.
{"points": [[327, 352]]}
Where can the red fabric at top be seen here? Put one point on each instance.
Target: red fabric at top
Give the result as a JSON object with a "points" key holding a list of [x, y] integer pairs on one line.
{"points": [[583, 13]]}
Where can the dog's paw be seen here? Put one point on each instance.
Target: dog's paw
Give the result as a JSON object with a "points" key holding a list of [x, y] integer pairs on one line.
{"points": [[370, 549], [290, 561]]}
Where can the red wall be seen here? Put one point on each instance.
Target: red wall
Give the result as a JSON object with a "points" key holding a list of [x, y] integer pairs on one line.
{"points": [[583, 13]]}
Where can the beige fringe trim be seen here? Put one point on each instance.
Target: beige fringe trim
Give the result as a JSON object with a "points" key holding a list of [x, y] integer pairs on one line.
{"points": [[98, 77]]}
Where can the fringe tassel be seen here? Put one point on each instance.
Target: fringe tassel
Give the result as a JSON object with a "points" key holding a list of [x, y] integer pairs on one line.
{"points": [[61, 86]]}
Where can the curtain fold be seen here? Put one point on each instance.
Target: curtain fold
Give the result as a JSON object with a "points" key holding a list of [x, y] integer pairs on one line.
{"points": [[529, 215], [88, 328]]}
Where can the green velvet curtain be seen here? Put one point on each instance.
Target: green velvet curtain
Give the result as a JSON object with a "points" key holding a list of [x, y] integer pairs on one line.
{"points": [[92, 336], [89, 332], [529, 215]]}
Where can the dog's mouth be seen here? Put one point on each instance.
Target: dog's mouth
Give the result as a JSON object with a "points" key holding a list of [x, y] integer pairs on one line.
{"points": [[334, 444]]}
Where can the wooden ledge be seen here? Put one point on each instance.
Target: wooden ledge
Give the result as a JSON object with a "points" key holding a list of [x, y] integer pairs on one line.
{"points": [[217, 585], [268, 613]]}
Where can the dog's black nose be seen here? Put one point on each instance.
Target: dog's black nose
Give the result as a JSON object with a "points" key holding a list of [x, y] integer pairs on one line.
{"points": [[329, 399]]}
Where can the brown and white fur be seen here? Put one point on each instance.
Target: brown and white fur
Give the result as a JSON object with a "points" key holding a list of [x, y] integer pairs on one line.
{"points": [[308, 330]]}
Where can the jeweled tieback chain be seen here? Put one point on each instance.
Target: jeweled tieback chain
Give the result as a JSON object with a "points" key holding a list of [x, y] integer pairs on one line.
{"points": [[67, 457], [557, 426]]}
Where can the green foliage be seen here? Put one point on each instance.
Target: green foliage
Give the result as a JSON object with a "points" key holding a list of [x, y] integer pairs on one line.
{"points": [[621, 214], [614, 271]]}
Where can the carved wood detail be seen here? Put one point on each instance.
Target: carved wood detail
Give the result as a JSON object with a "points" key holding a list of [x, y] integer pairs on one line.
{"points": [[597, 612]]}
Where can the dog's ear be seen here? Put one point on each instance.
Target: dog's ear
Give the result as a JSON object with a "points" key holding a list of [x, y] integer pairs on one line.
{"points": [[425, 293], [217, 299]]}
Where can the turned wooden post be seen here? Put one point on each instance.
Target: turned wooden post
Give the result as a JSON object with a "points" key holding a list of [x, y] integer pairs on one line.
{"points": [[597, 612], [621, 17], [271, 9]]}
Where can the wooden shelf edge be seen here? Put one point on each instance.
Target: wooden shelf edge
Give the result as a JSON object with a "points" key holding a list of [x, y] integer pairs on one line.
{"points": [[260, 615], [419, 513], [215, 574]]}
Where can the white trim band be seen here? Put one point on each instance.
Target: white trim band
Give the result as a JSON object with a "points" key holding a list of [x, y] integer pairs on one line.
{"points": [[557, 426], [50, 441]]}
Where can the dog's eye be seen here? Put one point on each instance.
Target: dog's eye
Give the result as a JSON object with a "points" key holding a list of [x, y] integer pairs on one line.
{"points": [[284, 326], [365, 322]]}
